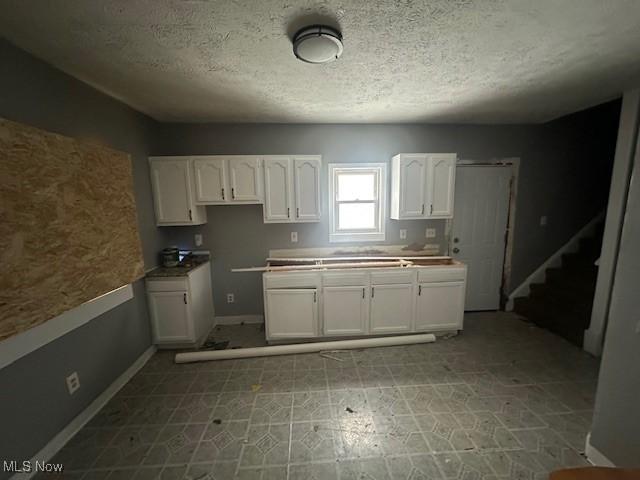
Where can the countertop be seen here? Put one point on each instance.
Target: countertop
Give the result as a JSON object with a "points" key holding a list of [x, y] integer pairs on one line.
{"points": [[182, 270]]}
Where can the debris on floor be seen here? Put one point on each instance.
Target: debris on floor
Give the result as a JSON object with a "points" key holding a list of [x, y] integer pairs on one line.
{"points": [[255, 387]]}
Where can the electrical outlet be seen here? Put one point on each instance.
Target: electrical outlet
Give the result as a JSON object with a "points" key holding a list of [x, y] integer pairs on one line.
{"points": [[73, 383], [430, 233], [198, 239], [231, 298], [543, 220], [403, 234], [294, 237]]}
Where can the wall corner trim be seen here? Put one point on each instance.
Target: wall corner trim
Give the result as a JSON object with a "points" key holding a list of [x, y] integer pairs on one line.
{"points": [[539, 275], [67, 433], [13, 348], [594, 456]]}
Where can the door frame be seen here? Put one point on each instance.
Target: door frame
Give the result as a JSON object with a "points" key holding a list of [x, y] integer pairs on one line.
{"points": [[514, 164]]}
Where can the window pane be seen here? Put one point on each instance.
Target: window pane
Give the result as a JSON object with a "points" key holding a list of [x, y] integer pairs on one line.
{"points": [[358, 186], [354, 216]]}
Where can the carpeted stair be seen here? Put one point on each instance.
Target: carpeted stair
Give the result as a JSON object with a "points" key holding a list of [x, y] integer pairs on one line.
{"points": [[563, 302]]}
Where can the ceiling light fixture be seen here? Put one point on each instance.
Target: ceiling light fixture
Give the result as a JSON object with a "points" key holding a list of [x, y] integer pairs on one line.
{"points": [[317, 44]]}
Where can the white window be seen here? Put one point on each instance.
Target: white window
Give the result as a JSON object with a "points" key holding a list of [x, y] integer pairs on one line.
{"points": [[357, 201]]}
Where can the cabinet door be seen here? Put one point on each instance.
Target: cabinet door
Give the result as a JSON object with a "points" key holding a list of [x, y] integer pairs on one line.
{"points": [[441, 175], [211, 180], [171, 182], [278, 190], [307, 188], [291, 313], [440, 306], [345, 310], [412, 186], [245, 179], [170, 319], [391, 308]]}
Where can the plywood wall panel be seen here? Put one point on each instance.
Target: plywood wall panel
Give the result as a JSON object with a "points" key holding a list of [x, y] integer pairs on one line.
{"points": [[68, 228]]}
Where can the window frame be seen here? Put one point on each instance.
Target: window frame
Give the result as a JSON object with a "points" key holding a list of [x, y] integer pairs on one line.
{"points": [[358, 235]]}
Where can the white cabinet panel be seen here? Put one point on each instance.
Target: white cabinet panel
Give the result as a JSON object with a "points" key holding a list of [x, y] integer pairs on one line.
{"points": [[172, 194], [345, 310], [210, 180], [440, 306], [441, 177], [278, 189], [245, 179], [391, 308], [412, 186], [291, 313], [170, 317], [307, 188]]}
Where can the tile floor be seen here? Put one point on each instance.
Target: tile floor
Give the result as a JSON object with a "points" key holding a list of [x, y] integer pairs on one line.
{"points": [[504, 400]]}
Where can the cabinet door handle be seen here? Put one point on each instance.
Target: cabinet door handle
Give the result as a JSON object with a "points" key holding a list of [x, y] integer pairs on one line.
{"points": [[419, 290], [422, 211], [298, 212], [288, 212], [373, 292], [362, 292], [431, 213], [184, 298], [223, 193], [233, 193], [190, 215], [314, 297]]}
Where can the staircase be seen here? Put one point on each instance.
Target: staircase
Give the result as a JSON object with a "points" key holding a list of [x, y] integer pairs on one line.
{"points": [[562, 304]]}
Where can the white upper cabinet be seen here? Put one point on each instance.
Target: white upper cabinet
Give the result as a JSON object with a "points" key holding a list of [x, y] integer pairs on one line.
{"points": [[227, 179], [246, 179], [278, 189], [441, 179], [211, 179], [422, 185], [307, 188], [292, 188], [173, 198]]}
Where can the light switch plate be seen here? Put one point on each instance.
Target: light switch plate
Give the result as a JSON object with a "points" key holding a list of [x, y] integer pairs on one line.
{"points": [[430, 233], [198, 239], [294, 237], [403, 234]]}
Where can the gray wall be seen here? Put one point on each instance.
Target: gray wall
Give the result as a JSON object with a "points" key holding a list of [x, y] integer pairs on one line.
{"points": [[616, 424], [34, 403], [564, 175]]}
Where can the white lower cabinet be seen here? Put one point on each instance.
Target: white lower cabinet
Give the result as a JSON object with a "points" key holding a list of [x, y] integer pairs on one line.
{"points": [[291, 313], [360, 302], [181, 308], [440, 306], [345, 310], [391, 308]]}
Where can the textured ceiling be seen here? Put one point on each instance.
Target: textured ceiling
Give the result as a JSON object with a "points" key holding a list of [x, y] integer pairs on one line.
{"points": [[482, 61]]}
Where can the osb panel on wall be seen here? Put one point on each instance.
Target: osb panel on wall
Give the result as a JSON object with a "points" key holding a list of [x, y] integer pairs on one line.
{"points": [[68, 228]]}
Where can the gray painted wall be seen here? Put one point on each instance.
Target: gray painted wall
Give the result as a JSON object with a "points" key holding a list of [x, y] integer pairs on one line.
{"points": [[616, 424], [564, 174], [34, 403]]}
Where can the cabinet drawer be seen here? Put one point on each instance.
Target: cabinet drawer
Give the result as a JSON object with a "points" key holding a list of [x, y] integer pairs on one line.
{"points": [[344, 279], [291, 280], [445, 274], [167, 285], [392, 277]]}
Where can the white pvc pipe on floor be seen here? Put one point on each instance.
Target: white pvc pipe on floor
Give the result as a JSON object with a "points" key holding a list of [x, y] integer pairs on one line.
{"points": [[205, 356]]}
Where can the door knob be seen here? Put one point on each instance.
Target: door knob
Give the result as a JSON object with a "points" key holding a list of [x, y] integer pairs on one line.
{"points": [[456, 240], [456, 250]]}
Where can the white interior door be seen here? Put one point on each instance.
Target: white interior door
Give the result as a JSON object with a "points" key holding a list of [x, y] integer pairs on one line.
{"points": [[479, 231]]}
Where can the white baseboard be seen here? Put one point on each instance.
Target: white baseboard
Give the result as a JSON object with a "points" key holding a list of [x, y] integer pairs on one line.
{"points": [[238, 319], [67, 433], [555, 260], [594, 456]]}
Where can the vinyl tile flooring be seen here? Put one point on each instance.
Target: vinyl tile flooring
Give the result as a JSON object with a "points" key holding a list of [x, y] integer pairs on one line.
{"points": [[503, 400]]}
